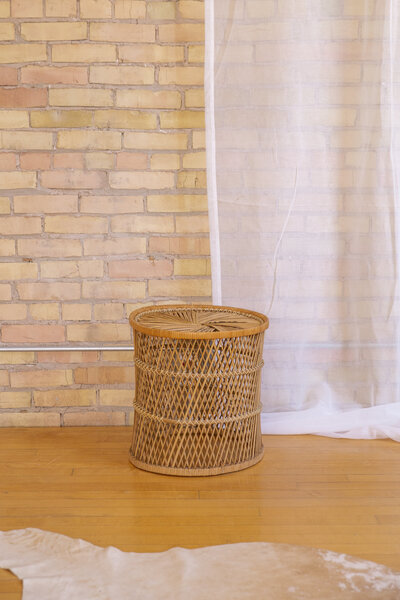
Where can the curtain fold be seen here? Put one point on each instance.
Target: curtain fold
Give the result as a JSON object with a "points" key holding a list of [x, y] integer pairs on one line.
{"points": [[303, 121]]}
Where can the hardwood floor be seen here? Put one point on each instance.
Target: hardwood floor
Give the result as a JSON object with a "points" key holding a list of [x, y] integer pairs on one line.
{"points": [[341, 495]]}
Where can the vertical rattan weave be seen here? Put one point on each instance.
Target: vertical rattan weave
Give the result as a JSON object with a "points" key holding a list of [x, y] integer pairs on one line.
{"points": [[197, 401]]}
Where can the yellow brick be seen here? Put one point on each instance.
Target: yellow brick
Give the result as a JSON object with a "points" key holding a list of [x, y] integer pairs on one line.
{"points": [[181, 75], [72, 268], [160, 11], [189, 9], [15, 399], [64, 224], [4, 9], [192, 266], [100, 160], [61, 118], [10, 119], [54, 31], [5, 208], [104, 374], [130, 9], [156, 180], [46, 203], [194, 98], [17, 358], [24, 9], [182, 203], [122, 32], [13, 312], [18, 53], [148, 53], [17, 180], [181, 32], [124, 119], [94, 418], [7, 247], [95, 9], [91, 140], [48, 311], [192, 179], [4, 378], [118, 290], [99, 332], [61, 8], [18, 270], [165, 162], [156, 141], [7, 32], [49, 247], [138, 268], [111, 204], [182, 119], [116, 397], [196, 54], [26, 140], [131, 307], [180, 287], [192, 224], [115, 246], [83, 53], [77, 312], [199, 139], [65, 398], [194, 160], [68, 357], [142, 224], [41, 419], [122, 75], [109, 312], [41, 378], [80, 97], [117, 356], [20, 225], [148, 99], [73, 179]]}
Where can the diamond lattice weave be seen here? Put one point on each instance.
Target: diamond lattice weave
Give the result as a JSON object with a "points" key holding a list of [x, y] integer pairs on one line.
{"points": [[197, 406]]}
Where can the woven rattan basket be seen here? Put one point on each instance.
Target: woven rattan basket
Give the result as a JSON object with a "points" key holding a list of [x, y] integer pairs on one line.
{"points": [[197, 402]]}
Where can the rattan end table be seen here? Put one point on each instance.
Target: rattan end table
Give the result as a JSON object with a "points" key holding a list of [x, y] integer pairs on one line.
{"points": [[197, 400]]}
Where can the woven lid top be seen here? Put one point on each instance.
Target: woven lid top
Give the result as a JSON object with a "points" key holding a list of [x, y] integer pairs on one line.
{"points": [[197, 321]]}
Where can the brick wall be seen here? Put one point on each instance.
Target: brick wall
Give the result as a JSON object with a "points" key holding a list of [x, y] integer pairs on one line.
{"points": [[102, 193]]}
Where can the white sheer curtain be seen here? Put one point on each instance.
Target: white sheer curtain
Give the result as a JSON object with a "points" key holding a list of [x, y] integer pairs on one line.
{"points": [[303, 148]]}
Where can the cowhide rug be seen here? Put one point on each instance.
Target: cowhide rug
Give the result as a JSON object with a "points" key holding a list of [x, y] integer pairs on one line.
{"points": [[56, 567]]}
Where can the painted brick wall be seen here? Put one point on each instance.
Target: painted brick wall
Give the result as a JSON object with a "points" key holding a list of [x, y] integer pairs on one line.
{"points": [[102, 193]]}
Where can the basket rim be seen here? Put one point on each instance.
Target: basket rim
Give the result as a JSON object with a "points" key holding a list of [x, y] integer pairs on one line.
{"points": [[209, 335]]}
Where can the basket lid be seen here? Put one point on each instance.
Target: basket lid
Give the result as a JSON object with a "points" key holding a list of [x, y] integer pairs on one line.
{"points": [[198, 321]]}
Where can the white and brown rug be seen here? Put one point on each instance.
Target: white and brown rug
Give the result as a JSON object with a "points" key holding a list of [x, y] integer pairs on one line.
{"points": [[56, 567]]}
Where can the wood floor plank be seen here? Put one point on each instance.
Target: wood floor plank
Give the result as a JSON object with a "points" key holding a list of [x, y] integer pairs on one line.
{"points": [[341, 495]]}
